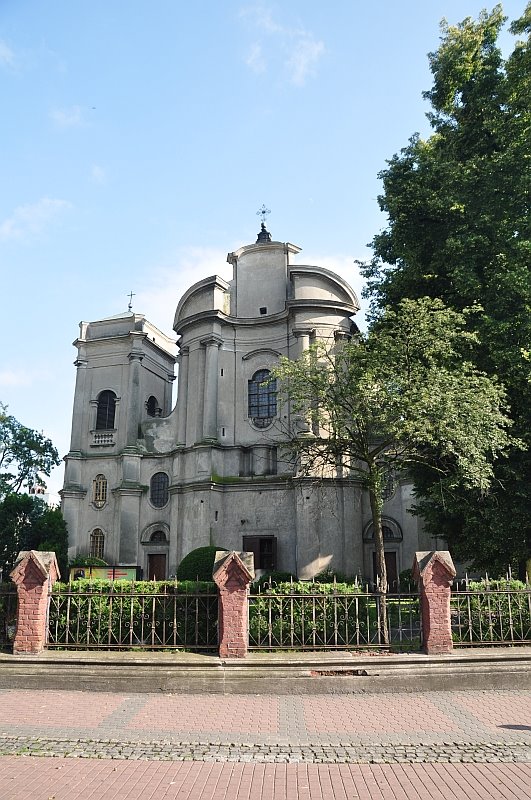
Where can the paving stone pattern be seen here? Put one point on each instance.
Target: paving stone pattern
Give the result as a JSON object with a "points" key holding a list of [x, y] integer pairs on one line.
{"points": [[471, 727]]}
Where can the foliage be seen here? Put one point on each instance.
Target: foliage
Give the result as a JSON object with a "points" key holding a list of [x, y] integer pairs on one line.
{"points": [[491, 611], [134, 613], [459, 229], [50, 533], [305, 614], [87, 561], [8, 613], [25, 455], [406, 582], [330, 575], [26, 523], [271, 579], [198, 564], [404, 394]]}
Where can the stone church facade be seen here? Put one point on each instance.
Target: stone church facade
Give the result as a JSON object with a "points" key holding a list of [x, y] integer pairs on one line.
{"points": [[146, 483]]}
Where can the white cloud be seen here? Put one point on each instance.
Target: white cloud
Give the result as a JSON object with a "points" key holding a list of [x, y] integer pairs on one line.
{"points": [[306, 52], [67, 117], [11, 377], [255, 59], [297, 50], [32, 219], [7, 57], [98, 174]]}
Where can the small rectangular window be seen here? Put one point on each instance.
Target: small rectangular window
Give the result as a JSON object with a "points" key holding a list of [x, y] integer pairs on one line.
{"points": [[221, 372], [263, 310]]}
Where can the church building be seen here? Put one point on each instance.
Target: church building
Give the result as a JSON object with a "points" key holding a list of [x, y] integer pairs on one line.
{"points": [[146, 482]]}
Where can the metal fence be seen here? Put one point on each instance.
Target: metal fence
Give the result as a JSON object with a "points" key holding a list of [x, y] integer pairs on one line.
{"points": [[491, 612], [8, 615], [333, 621], [111, 618]]}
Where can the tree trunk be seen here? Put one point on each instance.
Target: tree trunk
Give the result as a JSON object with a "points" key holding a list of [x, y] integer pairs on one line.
{"points": [[381, 572]]}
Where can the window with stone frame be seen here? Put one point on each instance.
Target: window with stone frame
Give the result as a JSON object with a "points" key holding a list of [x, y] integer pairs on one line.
{"points": [[106, 411], [97, 543], [159, 489], [99, 491], [262, 398]]}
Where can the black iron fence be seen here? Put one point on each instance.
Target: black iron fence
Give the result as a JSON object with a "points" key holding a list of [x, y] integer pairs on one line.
{"points": [[8, 614], [143, 615], [332, 618], [491, 612]]}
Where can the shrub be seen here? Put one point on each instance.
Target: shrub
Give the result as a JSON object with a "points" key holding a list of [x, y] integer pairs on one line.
{"points": [[272, 579], [198, 564], [87, 561]]}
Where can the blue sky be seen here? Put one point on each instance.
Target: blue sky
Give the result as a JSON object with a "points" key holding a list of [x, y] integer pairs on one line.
{"points": [[140, 138]]}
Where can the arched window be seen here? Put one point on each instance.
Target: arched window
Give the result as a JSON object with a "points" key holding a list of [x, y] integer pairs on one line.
{"points": [[97, 543], [158, 489], [106, 411], [99, 491], [152, 407], [158, 537], [262, 398]]}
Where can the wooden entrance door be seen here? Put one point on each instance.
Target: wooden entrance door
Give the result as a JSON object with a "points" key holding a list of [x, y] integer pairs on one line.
{"points": [[156, 567], [391, 569]]}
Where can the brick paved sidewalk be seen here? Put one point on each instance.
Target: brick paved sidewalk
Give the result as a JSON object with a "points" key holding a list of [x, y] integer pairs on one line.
{"points": [[62, 779], [387, 746]]}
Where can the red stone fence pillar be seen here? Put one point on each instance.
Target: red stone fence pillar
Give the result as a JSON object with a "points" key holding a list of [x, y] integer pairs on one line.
{"points": [[34, 575], [434, 572], [232, 573]]}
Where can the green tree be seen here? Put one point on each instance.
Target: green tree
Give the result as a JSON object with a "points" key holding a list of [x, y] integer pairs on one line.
{"points": [[26, 523], [459, 229], [25, 455], [404, 394]]}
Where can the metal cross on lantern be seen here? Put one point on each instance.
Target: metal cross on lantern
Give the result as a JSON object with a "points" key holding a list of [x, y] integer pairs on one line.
{"points": [[130, 296], [263, 213]]}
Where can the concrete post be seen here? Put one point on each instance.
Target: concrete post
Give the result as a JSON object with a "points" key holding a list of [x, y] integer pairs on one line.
{"points": [[34, 574], [232, 573], [434, 571]]}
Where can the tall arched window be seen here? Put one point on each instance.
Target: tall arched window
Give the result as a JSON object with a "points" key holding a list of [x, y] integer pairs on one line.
{"points": [[97, 543], [99, 491], [262, 398], [158, 489], [106, 411]]}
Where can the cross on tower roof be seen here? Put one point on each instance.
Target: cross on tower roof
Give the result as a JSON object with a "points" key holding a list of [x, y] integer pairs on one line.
{"points": [[263, 213]]}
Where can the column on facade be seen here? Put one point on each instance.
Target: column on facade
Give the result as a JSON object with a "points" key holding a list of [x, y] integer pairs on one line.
{"points": [[303, 335], [133, 405], [79, 405], [182, 394], [304, 422], [210, 399]]}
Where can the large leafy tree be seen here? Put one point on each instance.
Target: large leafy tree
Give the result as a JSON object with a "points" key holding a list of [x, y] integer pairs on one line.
{"points": [[25, 455], [459, 228], [405, 394], [26, 523]]}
